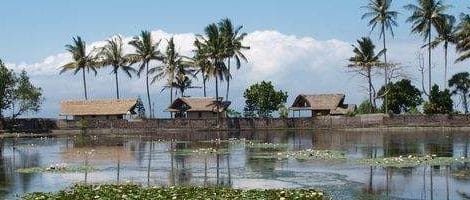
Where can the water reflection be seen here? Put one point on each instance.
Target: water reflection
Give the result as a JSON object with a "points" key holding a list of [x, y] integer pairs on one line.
{"points": [[169, 160]]}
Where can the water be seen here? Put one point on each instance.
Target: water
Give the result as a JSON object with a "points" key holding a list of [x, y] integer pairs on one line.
{"points": [[148, 161]]}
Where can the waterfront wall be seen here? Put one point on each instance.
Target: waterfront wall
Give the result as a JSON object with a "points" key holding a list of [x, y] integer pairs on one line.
{"points": [[235, 124], [28, 125]]}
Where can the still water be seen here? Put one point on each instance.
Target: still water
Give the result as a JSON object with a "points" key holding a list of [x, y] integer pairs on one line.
{"points": [[169, 160]]}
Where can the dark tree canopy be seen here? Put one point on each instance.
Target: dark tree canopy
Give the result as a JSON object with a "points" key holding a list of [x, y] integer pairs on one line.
{"points": [[440, 102], [402, 96], [261, 99], [460, 85], [7, 83]]}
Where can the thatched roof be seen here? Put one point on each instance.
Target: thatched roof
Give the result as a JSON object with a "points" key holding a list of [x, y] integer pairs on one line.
{"points": [[97, 107], [197, 104], [347, 108], [319, 101]]}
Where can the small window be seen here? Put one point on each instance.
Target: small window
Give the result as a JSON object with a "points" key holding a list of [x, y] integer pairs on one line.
{"points": [[199, 114], [93, 116]]}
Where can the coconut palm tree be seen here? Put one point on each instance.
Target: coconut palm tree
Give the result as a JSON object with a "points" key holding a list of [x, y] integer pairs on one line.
{"points": [[146, 50], [446, 36], [214, 49], [82, 61], [112, 54], [460, 85], [233, 41], [463, 38], [364, 61], [381, 14], [182, 83], [202, 64], [427, 14]]}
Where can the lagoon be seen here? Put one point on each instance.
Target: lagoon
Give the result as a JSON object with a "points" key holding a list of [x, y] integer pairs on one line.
{"points": [[242, 160]]}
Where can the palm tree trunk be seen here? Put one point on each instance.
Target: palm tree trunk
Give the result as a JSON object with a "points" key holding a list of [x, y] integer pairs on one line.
{"points": [[148, 90], [171, 100], [465, 103], [429, 61], [204, 85], [386, 70], [217, 97], [228, 80], [369, 79], [84, 84], [445, 65], [117, 84]]}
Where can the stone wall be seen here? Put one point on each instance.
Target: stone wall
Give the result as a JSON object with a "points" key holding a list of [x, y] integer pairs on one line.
{"points": [[28, 125]]}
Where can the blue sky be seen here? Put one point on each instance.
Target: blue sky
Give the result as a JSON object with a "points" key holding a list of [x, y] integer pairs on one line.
{"points": [[31, 31]]}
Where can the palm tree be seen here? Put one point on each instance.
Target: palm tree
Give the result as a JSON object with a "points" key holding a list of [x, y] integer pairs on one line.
{"points": [[202, 64], [381, 14], [363, 61], [182, 83], [214, 49], [233, 41], [112, 54], [146, 50], [81, 60], [426, 15], [463, 38], [446, 35]]}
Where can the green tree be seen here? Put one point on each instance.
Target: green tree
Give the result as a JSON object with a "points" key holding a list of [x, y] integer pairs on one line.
{"points": [[440, 102], [139, 106], [363, 62], [202, 65], [460, 85], [112, 54], [381, 14], [463, 38], [146, 50], [82, 61], [26, 96], [261, 99], [233, 41], [365, 107], [7, 84], [403, 96], [425, 15]]}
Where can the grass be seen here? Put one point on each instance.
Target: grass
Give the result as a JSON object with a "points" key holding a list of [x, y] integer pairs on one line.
{"points": [[135, 192]]}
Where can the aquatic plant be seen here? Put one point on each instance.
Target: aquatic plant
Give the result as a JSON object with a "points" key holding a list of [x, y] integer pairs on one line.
{"points": [[80, 192], [463, 174], [200, 151], [266, 145], [412, 161], [59, 168], [312, 154]]}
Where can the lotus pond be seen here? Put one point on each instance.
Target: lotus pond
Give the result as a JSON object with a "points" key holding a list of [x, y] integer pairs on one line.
{"points": [[343, 165]]}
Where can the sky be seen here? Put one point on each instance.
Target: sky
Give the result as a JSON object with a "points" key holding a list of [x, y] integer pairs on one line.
{"points": [[301, 46]]}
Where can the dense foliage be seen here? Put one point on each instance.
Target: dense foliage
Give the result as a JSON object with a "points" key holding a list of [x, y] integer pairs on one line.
{"points": [[402, 96], [128, 192], [261, 99], [460, 85], [440, 102], [17, 93]]}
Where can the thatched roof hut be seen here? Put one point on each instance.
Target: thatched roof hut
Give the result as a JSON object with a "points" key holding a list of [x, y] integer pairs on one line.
{"points": [[322, 104], [198, 107], [109, 108]]}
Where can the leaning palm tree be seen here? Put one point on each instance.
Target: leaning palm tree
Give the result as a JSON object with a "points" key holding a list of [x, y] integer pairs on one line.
{"points": [[146, 50], [427, 14], [82, 61], [112, 54], [364, 61], [214, 49], [233, 41], [463, 38], [381, 14], [446, 35]]}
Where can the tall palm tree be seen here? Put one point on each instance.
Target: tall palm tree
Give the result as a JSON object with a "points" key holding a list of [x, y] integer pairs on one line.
{"points": [[112, 54], [202, 64], [364, 61], [214, 49], [146, 50], [381, 14], [82, 61], [463, 38], [446, 35], [182, 83], [233, 41], [427, 14]]}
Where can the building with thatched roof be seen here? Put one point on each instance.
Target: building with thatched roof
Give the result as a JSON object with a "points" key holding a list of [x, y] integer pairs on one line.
{"points": [[198, 107], [98, 109], [322, 104]]}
